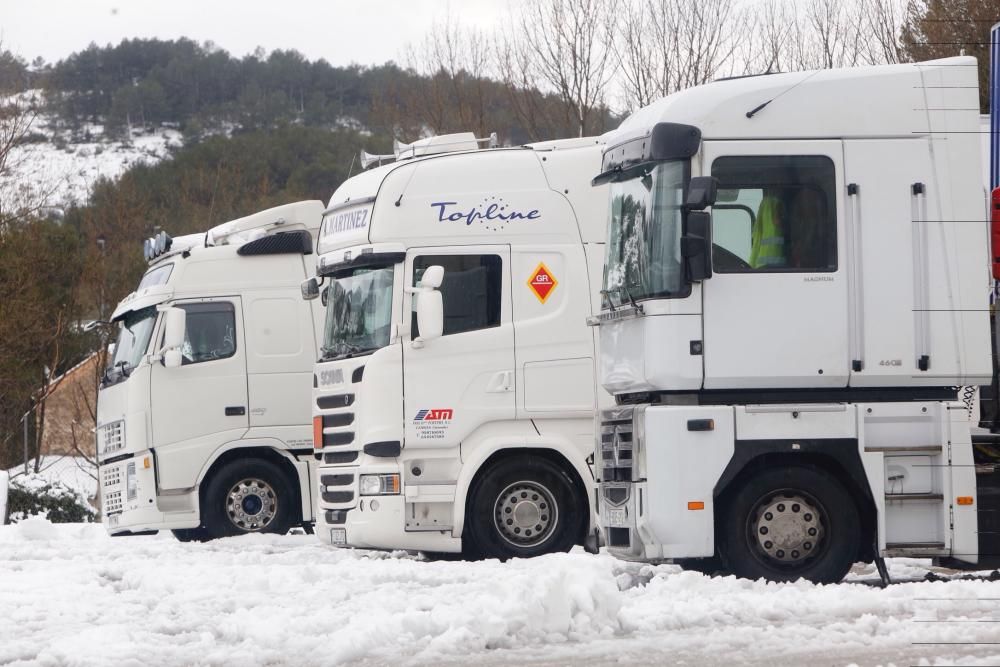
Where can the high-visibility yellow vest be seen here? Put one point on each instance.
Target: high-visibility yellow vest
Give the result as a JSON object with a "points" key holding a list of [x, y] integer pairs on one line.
{"points": [[767, 241]]}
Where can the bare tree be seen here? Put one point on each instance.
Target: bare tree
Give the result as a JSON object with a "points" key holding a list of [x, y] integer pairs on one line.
{"points": [[883, 25], [515, 65], [17, 198], [668, 45], [456, 62], [642, 58], [563, 46]]}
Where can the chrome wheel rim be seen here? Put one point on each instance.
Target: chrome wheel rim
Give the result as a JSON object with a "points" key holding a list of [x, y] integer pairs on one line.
{"points": [[525, 514], [787, 528], [251, 504]]}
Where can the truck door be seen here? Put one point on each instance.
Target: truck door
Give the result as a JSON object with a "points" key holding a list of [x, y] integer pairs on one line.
{"points": [[464, 379], [206, 396], [775, 312]]}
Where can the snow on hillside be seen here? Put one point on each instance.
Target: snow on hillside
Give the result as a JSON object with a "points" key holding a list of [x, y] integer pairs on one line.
{"points": [[70, 595], [63, 165]]}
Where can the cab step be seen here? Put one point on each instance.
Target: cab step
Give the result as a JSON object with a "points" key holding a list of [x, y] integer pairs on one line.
{"points": [[925, 449], [913, 548], [914, 496]]}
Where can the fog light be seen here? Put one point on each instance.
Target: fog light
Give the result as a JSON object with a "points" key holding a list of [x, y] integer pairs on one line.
{"points": [[131, 484], [379, 485]]}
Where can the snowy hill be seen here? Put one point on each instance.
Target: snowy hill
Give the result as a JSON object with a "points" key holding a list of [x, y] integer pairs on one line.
{"points": [[62, 165]]}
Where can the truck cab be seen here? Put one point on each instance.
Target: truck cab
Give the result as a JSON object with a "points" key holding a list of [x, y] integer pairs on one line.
{"points": [[455, 392], [203, 424], [796, 282]]}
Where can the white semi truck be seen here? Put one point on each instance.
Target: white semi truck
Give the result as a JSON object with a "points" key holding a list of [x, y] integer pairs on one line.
{"points": [[455, 396], [785, 366], [203, 421]]}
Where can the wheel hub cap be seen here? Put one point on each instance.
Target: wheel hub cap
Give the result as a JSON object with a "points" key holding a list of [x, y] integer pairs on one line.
{"points": [[251, 504], [788, 528], [525, 514]]}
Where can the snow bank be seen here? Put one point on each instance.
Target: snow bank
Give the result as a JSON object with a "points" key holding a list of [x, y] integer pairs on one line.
{"points": [[74, 472], [72, 596]]}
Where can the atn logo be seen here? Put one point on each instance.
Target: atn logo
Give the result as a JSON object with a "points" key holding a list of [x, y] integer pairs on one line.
{"points": [[434, 415]]}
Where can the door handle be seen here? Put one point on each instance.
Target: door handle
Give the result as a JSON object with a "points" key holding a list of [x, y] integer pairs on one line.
{"points": [[236, 411], [501, 382]]}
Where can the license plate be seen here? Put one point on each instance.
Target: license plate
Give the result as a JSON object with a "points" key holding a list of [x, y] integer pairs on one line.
{"points": [[616, 518], [338, 537], [113, 521]]}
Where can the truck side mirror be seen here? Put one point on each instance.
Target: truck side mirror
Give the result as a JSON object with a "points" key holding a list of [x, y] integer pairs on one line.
{"points": [[430, 305], [175, 324], [696, 246], [702, 191], [310, 289]]}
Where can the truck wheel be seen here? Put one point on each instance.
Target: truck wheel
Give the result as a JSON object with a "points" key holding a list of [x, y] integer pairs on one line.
{"points": [[790, 523], [522, 508], [250, 496]]}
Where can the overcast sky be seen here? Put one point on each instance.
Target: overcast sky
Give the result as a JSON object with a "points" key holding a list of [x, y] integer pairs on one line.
{"points": [[362, 31]]}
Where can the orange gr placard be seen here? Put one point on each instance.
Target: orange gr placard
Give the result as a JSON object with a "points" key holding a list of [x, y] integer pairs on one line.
{"points": [[542, 282]]}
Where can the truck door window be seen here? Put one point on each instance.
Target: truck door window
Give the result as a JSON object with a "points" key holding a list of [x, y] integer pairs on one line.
{"points": [[211, 332], [471, 290], [775, 213]]}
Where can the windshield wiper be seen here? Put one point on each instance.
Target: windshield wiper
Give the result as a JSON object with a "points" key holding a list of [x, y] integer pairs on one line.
{"points": [[618, 290], [342, 351], [631, 298]]}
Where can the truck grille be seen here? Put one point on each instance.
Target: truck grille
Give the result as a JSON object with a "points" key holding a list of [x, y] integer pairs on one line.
{"points": [[113, 503], [111, 437], [336, 490], [112, 488], [614, 455]]}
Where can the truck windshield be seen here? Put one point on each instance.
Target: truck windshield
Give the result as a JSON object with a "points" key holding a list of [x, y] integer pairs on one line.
{"points": [[133, 339], [643, 251], [358, 312]]}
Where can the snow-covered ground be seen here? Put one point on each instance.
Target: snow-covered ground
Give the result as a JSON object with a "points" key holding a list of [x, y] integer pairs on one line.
{"points": [[69, 595], [64, 166]]}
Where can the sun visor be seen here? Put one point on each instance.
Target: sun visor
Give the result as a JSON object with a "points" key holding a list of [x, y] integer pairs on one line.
{"points": [[150, 296], [665, 141]]}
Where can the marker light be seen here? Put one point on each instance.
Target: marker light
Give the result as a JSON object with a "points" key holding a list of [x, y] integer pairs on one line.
{"points": [[964, 500], [696, 505], [379, 485], [318, 432], [131, 483]]}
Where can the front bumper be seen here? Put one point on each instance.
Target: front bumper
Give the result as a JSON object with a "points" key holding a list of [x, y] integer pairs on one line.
{"points": [[622, 525], [345, 519], [129, 501]]}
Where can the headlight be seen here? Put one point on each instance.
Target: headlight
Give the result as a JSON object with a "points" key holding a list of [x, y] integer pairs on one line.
{"points": [[379, 485], [131, 485]]}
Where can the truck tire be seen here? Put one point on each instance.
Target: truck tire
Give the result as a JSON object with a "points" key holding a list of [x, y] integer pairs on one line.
{"points": [[789, 523], [190, 534], [521, 508], [249, 496]]}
